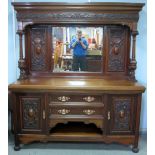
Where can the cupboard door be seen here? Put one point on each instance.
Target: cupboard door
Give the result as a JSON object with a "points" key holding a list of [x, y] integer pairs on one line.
{"points": [[31, 108], [122, 114]]}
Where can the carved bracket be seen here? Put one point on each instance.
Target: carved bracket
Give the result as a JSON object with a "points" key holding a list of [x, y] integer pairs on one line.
{"points": [[22, 25], [22, 67], [132, 67]]}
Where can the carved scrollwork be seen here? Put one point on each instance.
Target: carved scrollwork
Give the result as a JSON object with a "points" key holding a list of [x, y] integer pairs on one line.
{"points": [[63, 98], [89, 98], [89, 111], [78, 15]]}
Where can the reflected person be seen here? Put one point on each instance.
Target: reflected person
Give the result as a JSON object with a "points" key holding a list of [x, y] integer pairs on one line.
{"points": [[79, 45]]}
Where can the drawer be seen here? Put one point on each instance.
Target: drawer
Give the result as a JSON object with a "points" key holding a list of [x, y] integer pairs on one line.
{"points": [[72, 109], [75, 98]]}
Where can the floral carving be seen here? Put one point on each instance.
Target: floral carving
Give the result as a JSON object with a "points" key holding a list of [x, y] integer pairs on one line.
{"points": [[116, 50], [122, 108], [31, 113], [75, 15], [38, 50]]}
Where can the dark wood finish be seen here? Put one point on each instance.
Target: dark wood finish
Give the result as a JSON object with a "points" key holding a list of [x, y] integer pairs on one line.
{"points": [[122, 113], [91, 107], [59, 14], [21, 62], [117, 52], [75, 85]]}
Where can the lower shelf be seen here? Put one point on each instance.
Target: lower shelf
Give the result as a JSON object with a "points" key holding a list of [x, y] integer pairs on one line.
{"points": [[77, 132], [76, 129]]}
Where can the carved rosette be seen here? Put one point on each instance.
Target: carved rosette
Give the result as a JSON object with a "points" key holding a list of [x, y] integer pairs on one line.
{"points": [[31, 113]]}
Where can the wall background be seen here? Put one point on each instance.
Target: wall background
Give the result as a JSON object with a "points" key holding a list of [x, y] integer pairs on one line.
{"points": [[141, 48]]}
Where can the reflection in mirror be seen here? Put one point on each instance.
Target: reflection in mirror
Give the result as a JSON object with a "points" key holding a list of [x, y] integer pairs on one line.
{"points": [[77, 49]]}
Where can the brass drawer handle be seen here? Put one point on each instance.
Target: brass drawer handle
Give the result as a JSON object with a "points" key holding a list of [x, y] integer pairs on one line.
{"points": [[89, 98], [63, 111], [63, 98], [89, 111]]}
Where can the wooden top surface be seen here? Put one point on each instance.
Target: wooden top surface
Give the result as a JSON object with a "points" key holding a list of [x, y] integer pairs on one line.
{"points": [[76, 84], [75, 4], [90, 5]]}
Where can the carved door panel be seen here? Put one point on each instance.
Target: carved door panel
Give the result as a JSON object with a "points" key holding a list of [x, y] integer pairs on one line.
{"points": [[117, 49], [122, 114], [31, 113], [40, 55]]}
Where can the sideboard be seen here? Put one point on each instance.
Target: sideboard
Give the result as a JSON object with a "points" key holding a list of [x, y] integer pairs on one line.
{"points": [[102, 106]]}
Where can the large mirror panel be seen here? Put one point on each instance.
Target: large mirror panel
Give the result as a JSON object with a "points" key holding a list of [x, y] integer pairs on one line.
{"points": [[77, 49]]}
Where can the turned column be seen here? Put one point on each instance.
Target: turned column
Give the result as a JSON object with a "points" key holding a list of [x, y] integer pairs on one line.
{"points": [[21, 62], [133, 62]]}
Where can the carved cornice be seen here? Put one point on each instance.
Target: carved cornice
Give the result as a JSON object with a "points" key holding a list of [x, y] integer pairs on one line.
{"points": [[78, 16], [78, 13]]}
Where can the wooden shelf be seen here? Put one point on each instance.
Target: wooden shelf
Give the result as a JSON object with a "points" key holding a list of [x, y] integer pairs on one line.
{"points": [[76, 129]]}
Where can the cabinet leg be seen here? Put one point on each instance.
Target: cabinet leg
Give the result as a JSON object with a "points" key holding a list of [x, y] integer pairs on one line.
{"points": [[17, 143], [12, 125], [17, 147], [135, 149]]}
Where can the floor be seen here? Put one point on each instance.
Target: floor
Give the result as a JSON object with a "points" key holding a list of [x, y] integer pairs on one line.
{"points": [[76, 148]]}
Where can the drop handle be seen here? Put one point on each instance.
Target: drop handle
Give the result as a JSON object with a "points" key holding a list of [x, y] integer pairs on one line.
{"points": [[63, 111], [89, 98], [89, 111], [63, 98]]}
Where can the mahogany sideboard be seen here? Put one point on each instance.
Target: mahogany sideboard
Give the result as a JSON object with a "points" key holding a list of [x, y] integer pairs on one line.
{"points": [[102, 106]]}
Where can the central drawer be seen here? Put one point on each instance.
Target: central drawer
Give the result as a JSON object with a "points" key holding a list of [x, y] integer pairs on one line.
{"points": [[70, 107]]}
